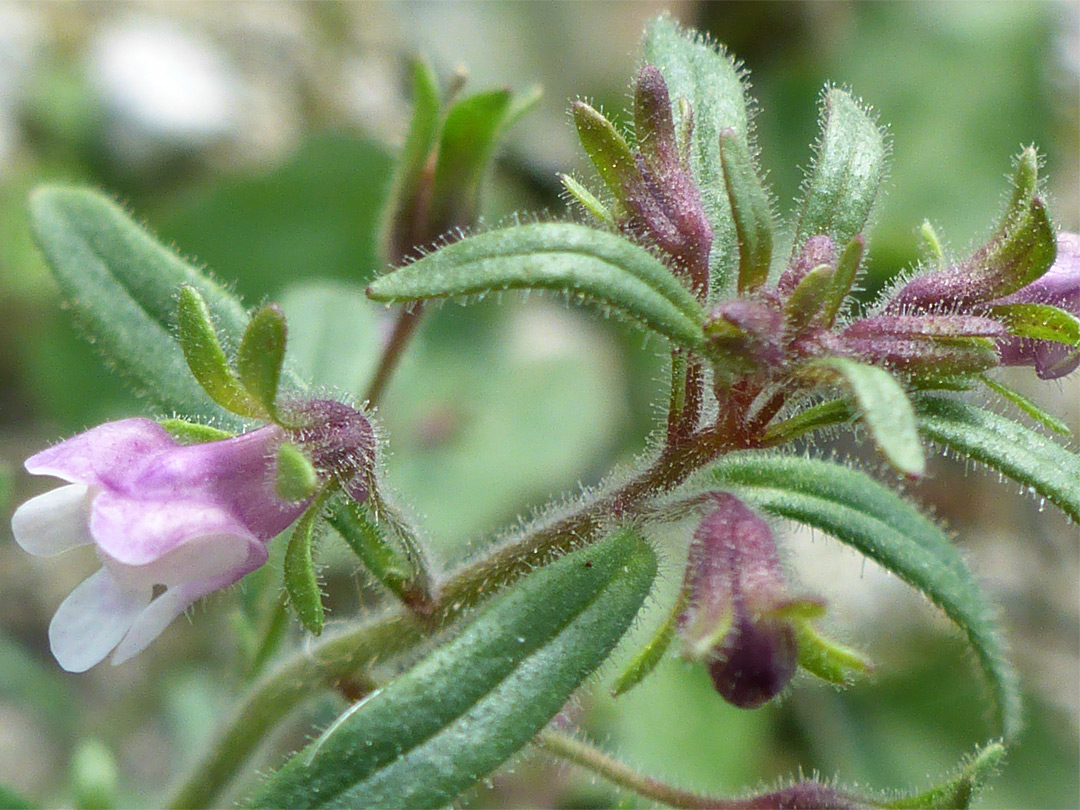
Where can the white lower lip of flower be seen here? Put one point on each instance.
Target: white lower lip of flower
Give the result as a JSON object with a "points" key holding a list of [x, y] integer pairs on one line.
{"points": [[55, 521], [196, 559]]}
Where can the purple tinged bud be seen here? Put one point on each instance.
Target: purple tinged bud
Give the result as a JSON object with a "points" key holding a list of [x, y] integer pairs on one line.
{"points": [[338, 440], [815, 251], [737, 591], [1059, 287], [926, 327], [747, 332]]}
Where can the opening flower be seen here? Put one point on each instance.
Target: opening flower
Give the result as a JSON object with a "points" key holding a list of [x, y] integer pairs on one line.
{"points": [[171, 523]]}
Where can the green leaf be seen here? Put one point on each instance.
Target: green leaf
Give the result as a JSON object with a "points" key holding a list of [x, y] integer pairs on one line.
{"points": [[122, 288], [1040, 322], [883, 406], [297, 479], [750, 209], [962, 789], [1016, 451], [858, 511], [468, 139], [301, 578], [261, 355], [192, 432], [826, 658], [1032, 409], [205, 357], [407, 580], [607, 149], [808, 297], [580, 261], [847, 270], [848, 170], [647, 658], [1018, 256], [700, 72], [412, 170], [587, 200], [457, 715], [823, 414]]}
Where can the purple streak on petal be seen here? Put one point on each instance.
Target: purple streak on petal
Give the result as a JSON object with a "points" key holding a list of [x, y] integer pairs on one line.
{"points": [[103, 454], [93, 619], [53, 522], [238, 475]]}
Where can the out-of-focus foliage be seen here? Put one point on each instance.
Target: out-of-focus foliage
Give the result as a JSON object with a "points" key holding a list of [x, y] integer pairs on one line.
{"points": [[274, 181]]}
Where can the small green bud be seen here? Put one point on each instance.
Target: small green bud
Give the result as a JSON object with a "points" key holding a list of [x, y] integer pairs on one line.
{"points": [[297, 478]]}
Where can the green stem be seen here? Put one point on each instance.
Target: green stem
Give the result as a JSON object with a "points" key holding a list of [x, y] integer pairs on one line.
{"points": [[618, 773]]}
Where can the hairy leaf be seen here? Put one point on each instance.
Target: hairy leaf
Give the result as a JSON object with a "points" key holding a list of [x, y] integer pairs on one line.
{"points": [[858, 511], [122, 287], [261, 355], [1041, 322], [458, 714], [301, 578], [848, 169], [1010, 448], [596, 265], [698, 71], [750, 209], [884, 407]]}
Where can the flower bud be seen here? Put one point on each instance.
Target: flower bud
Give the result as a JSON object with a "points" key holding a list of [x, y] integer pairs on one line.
{"points": [[746, 333], [815, 251], [1058, 287], [736, 621]]}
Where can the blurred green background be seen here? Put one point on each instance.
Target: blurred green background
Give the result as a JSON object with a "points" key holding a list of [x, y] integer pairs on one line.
{"points": [[257, 138]]}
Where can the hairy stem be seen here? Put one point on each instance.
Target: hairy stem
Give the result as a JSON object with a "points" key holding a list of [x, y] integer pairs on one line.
{"points": [[407, 320], [340, 655]]}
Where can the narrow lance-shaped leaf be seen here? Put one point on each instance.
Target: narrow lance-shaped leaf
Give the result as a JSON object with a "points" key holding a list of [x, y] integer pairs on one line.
{"points": [[1016, 451], [465, 147], [261, 355], [697, 70], [301, 578], [406, 578], [848, 170], [883, 407], [598, 266], [858, 511], [410, 190], [750, 208], [1017, 257], [847, 270], [808, 297], [457, 715], [1032, 409], [607, 149], [205, 357], [122, 286], [1040, 322]]}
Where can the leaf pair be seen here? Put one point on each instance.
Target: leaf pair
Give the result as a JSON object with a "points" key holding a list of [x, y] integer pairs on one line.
{"points": [[251, 390]]}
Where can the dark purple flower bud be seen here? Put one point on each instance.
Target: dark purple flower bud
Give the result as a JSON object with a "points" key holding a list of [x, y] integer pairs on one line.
{"points": [[665, 206], [338, 440], [746, 333], [735, 621], [815, 251], [1059, 287], [805, 795]]}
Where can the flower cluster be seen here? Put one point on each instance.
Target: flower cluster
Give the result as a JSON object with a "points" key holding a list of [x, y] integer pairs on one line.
{"points": [[170, 522]]}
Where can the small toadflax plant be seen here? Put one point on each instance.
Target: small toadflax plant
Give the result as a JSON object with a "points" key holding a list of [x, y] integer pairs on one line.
{"points": [[676, 234]]}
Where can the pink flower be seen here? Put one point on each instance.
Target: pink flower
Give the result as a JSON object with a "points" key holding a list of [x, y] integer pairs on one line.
{"points": [[171, 523], [1059, 287]]}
